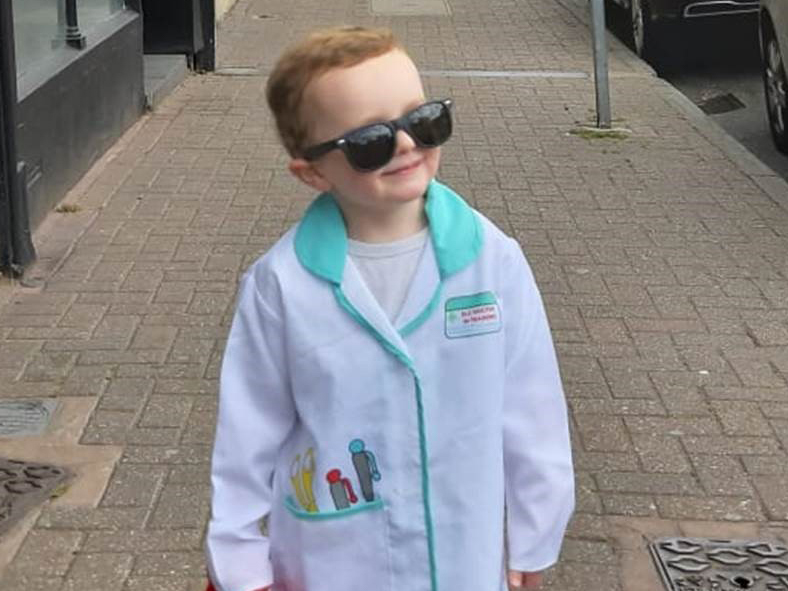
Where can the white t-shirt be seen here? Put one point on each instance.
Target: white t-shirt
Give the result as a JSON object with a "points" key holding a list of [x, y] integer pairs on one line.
{"points": [[388, 268]]}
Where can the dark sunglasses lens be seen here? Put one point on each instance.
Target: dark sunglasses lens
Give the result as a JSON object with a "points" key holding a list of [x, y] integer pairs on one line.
{"points": [[370, 147], [430, 124]]}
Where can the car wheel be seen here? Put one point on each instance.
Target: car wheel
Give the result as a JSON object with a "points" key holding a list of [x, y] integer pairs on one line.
{"points": [[646, 35], [775, 87]]}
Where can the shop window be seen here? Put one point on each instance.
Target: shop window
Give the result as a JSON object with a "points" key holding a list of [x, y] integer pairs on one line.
{"points": [[40, 26], [37, 31], [93, 12]]}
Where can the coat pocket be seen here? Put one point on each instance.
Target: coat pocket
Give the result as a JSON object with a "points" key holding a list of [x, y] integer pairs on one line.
{"points": [[341, 550]]}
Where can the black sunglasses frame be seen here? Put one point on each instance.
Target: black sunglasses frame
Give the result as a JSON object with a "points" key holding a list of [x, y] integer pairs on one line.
{"points": [[403, 123]]}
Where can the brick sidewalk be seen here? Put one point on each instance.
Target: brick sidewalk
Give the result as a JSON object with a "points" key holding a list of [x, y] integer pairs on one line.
{"points": [[663, 260]]}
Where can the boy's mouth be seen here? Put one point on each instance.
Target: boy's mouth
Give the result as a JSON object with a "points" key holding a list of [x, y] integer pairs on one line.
{"points": [[404, 168]]}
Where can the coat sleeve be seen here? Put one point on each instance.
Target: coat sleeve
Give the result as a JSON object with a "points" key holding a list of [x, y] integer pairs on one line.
{"points": [[537, 451], [256, 413]]}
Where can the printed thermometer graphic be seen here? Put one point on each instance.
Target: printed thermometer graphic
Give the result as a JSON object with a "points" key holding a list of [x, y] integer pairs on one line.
{"points": [[341, 489], [366, 468]]}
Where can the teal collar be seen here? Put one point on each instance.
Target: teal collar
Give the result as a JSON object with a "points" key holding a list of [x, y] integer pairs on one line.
{"points": [[455, 230]]}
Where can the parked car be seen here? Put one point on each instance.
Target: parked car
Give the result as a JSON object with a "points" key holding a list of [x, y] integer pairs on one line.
{"points": [[653, 21], [773, 26]]}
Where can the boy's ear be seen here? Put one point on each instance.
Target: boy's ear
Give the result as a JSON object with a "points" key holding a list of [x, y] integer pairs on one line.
{"points": [[306, 172]]}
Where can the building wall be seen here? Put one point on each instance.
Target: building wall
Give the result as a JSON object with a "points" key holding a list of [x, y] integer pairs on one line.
{"points": [[78, 112], [222, 6]]}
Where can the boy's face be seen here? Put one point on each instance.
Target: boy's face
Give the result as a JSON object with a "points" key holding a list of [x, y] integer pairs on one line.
{"points": [[379, 89]]}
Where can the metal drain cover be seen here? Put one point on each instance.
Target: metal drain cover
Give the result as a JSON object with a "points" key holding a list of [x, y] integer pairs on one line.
{"points": [[720, 103], [20, 418], [698, 564], [24, 485]]}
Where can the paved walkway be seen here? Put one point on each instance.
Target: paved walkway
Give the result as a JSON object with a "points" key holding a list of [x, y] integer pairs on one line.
{"points": [[663, 259]]}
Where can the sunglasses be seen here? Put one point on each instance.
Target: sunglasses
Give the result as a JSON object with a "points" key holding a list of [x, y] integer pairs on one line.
{"points": [[372, 146]]}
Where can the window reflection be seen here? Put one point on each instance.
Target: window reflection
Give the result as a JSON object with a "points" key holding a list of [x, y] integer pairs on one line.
{"points": [[36, 31], [39, 26], [93, 12]]}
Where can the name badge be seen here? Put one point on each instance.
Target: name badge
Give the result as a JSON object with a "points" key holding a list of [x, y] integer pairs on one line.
{"points": [[472, 315]]}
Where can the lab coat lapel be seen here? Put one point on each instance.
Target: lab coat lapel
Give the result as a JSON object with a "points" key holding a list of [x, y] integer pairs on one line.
{"points": [[422, 290], [360, 297]]}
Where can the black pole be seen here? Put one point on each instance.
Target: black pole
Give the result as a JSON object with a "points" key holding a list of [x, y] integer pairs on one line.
{"points": [[205, 59], [74, 36], [16, 244]]}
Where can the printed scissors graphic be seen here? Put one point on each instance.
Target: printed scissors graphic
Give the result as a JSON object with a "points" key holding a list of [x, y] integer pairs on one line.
{"points": [[301, 473]]}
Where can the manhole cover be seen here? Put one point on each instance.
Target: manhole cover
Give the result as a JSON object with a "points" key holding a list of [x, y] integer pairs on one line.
{"points": [[721, 103], [24, 485], [20, 418], [698, 564]]}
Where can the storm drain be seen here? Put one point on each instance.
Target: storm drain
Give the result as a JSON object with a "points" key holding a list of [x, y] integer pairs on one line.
{"points": [[19, 418], [23, 485], [720, 103], [698, 564]]}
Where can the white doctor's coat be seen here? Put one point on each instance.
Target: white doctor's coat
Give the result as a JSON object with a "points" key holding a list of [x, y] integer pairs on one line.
{"points": [[383, 454]]}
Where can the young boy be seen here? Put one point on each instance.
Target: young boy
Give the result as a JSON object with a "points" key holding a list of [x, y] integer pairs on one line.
{"points": [[389, 381]]}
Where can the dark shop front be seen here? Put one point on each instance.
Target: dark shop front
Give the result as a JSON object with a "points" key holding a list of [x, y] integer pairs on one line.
{"points": [[72, 80]]}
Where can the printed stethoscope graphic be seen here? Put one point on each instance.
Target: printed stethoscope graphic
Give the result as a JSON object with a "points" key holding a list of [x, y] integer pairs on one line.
{"points": [[341, 489], [301, 476], [366, 468]]}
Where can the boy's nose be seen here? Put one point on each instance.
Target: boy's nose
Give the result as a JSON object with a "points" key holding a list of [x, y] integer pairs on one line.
{"points": [[405, 143]]}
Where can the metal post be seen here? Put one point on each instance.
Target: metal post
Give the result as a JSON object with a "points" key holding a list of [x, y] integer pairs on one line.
{"points": [[16, 245], [600, 64], [74, 36]]}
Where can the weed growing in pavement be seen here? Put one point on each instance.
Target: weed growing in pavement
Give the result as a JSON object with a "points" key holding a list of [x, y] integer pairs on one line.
{"points": [[68, 208]]}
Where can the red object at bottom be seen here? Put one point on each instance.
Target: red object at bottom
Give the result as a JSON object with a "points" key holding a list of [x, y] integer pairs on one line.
{"points": [[210, 587]]}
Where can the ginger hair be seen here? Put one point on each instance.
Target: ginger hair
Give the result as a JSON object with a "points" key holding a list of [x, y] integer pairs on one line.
{"points": [[315, 55]]}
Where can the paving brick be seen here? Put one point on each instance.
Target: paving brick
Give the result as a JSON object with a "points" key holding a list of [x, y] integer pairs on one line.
{"points": [[660, 453], [183, 454], [602, 433], [740, 418], [721, 475], [81, 518], [87, 381], [669, 426], [709, 508], [772, 489], [48, 366], [137, 356], [136, 541], [133, 486], [628, 505], [189, 350], [105, 571], [164, 583], [85, 316], [17, 582], [46, 554], [721, 445], [154, 337], [633, 482], [171, 564], [14, 354], [189, 474], [776, 464], [181, 505]]}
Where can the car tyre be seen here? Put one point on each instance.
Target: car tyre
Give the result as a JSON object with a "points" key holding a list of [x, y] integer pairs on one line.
{"points": [[775, 88], [646, 36]]}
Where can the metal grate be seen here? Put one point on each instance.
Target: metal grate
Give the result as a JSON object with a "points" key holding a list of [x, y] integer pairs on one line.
{"points": [[19, 418], [721, 103], [24, 485], [698, 564]]}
